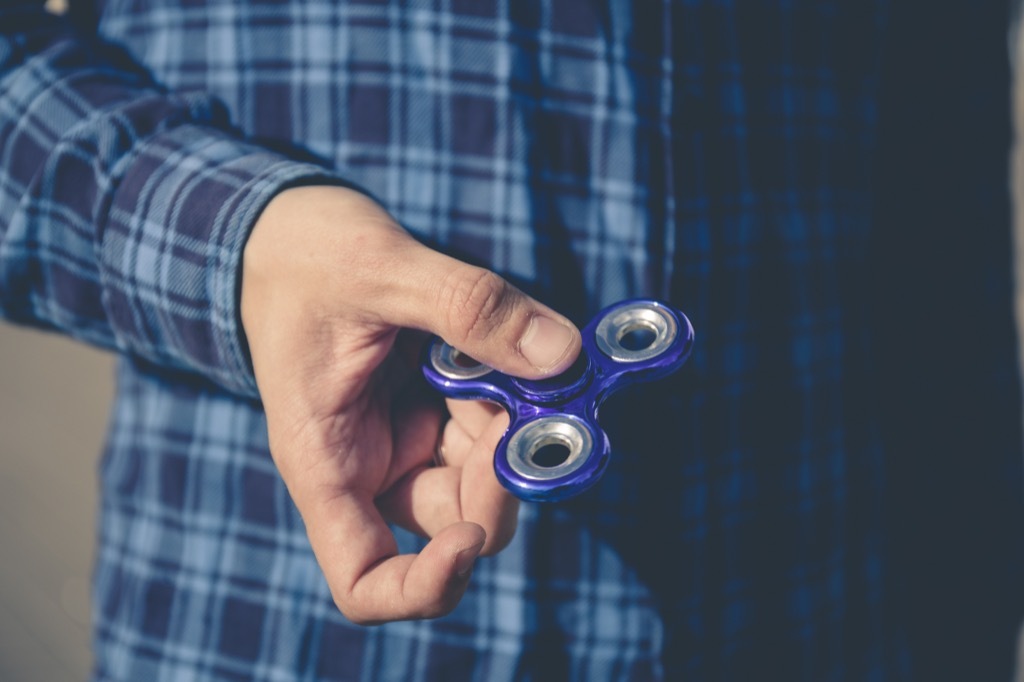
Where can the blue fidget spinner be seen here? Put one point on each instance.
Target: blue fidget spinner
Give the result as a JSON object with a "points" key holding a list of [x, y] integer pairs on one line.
{"points": [[554, 447]]}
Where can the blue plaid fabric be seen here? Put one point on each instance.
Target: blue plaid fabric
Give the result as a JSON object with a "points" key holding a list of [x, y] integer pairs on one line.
{"points": [[827, 492]]}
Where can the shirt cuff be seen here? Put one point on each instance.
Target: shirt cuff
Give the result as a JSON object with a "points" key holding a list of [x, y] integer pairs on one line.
{"points": [[172, 247]]}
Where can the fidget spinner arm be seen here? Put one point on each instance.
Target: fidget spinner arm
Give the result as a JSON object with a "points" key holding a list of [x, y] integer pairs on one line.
{"points": [[554, 447]]}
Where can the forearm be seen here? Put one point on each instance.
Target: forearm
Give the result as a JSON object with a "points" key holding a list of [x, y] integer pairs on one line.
{"points": [[124, 208]]}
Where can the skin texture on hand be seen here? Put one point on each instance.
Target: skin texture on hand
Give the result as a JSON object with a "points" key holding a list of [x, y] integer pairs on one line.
{"points": [[332, 288]]}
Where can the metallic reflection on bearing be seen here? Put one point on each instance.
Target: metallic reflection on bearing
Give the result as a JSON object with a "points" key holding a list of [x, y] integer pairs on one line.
{"points": [[452, 363], [636, 332], [549, 447]]}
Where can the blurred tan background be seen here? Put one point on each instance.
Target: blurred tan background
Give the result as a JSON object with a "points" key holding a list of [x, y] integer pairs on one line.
{"points": [[54, 398]]}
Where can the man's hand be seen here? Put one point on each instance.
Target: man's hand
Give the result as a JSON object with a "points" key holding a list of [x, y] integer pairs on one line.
{"points": [[329, 281]]}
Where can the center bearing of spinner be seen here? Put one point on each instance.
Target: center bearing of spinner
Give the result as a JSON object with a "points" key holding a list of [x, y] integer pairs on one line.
{"points": [[560, 388]]}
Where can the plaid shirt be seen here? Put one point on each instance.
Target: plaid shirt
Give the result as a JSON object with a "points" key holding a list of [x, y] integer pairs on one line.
{"points": [[794, 505]]}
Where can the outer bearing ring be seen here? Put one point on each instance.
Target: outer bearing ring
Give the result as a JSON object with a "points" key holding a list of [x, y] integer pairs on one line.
{"points": [[561, 430], [653, 320], [451, 363]]}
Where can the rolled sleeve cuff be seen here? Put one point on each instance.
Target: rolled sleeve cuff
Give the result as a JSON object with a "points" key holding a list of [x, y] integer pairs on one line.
{"points": [[173, 247]]}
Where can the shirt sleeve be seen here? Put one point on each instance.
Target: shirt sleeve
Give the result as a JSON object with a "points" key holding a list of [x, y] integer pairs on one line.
{"points": [[124, 208]]}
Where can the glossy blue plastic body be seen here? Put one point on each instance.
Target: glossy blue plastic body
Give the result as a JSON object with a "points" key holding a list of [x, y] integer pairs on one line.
{"points": [[577, 393]]}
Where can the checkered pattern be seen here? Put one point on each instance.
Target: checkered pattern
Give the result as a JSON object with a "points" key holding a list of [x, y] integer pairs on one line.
{"points": [[717, 153]]}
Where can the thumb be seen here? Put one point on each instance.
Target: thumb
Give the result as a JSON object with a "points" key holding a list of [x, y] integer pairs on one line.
{"points": [[488, 318]]}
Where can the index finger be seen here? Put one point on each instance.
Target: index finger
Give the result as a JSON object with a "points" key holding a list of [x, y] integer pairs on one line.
{"points": [[369, 581]]}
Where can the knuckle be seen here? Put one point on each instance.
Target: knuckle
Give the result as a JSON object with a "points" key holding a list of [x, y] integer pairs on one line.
{"points": [[342, 603], [475, 301], [347, 605], [346, 611]]}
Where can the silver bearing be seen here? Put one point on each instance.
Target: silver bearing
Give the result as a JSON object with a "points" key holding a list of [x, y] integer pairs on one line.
{"points": [[549, 447], [636, 332], [452, 363]]}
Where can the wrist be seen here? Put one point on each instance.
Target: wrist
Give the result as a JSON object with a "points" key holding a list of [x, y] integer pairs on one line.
{"points": [[316, 252]]}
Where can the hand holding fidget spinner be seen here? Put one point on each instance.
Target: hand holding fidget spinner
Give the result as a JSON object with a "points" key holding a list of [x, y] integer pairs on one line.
{"points": [[554, 447]]}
